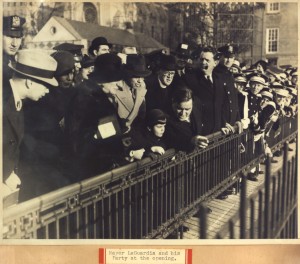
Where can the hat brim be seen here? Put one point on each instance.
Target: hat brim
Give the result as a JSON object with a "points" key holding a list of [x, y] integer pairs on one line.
{"points": [[137, 74], [13, 33], [51, 81], [106, 78]]}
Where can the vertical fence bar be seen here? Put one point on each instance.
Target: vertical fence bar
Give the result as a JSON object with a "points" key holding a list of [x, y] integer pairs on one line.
{"points": [[252, 218], [273, 215], [203, 224], [243, 208], [267, 198], [260, 213], [284, 177]]}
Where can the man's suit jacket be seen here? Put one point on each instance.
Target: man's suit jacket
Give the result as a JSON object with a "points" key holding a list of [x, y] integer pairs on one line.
{"points": [[211, 97]]}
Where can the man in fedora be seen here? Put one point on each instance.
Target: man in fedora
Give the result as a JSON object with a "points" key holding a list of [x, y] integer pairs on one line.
{"points": [[92, 124], [33, 71], [135, 71], [159, 84], [12, 40], [42, 151], [99, 46]]}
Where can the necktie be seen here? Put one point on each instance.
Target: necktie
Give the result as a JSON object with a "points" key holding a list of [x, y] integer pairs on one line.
{"points": [[209, 79]]}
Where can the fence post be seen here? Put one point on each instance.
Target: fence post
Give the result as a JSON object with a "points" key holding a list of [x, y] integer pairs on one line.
{"points": [[243, 208], [203, 226], [284, 177], [267, 198]]}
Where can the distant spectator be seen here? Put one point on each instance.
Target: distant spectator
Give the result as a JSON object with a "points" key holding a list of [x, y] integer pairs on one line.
{"points": [[99, 46]]}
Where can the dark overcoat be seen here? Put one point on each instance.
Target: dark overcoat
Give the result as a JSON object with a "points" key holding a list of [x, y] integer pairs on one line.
{"points": [[90, 155], [13, 131]]}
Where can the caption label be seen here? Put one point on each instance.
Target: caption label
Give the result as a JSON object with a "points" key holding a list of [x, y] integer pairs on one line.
{"points": [[145, 256]]}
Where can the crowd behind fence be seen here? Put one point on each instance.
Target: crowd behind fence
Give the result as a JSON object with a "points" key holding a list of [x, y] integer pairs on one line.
{"points": [[145, 199]]}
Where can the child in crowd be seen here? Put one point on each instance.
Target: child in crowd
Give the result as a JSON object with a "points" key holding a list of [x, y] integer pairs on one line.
{"points": [[147, 140]]}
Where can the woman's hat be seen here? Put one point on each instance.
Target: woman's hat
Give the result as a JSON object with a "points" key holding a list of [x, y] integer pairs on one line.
{"points": [[279, 89], [136, 66], [87, 61], [156, 116], [240, 77], [267, 93], [65, 62], [36, 64], [108, 68]]}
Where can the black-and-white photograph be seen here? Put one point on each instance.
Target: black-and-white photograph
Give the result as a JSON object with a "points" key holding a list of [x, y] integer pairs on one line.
{"points": [[149, 120]]}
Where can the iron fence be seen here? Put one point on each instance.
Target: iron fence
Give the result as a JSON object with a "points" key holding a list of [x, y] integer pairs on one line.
{"points": [[271, 212], [145, 199]]}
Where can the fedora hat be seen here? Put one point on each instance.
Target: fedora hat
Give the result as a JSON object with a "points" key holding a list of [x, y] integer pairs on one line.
{"points": [[36, 64], [65, 62], [108, 68], [136, 66], [168, 63], [96, 42]]}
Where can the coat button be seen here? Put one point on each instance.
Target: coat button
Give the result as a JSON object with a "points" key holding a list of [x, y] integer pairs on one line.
{"points": [[12, 142], [228, 92]]}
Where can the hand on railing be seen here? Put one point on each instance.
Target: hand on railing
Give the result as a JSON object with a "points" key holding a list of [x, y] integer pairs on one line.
{"points": [[200, 142], [137, 154], [228, 129], [158, 149]]}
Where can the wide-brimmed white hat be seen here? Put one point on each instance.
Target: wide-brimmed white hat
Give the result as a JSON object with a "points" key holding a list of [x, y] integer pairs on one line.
{"points": [[36, 64]]}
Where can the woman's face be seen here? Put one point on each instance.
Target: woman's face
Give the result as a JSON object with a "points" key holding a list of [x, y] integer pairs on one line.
{"points": [[86, 72]]}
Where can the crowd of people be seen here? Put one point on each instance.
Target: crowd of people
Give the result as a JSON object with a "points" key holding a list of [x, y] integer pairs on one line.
{"points": [[68, 116]]}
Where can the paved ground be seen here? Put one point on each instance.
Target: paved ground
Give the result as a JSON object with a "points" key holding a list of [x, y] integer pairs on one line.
{"points": [[223, 210]]}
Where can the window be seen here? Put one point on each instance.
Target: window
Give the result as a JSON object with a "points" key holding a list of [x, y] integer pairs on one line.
{"points": [[273, 8], [272, 40]]}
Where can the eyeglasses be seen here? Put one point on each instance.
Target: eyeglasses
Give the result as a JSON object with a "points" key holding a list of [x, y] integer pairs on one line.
{"points": [[169, 73]]}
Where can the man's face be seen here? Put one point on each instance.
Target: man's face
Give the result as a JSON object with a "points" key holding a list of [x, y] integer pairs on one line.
{"points": [[288, 100], [181, 62], [234, 70], [183, 110], [85, 72], [294, 79], [77, 67], [207, 62], [137, 82], [227, 61], [240, 86], [264, 101], [112, 87], [159, 129], [255, 87], [65, 81], [280, 100], [35, 90], [166, 77], [102, 50], [11, 45]]}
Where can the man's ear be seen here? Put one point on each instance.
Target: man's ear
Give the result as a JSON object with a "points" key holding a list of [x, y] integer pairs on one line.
{"points": [[95, 52]]}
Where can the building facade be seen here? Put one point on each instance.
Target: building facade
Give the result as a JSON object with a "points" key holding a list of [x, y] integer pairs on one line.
{"points": [[280, 39]]}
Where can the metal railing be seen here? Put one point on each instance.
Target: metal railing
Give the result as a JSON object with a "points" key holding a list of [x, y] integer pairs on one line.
{"points": [[145, 199], [271, 212]]}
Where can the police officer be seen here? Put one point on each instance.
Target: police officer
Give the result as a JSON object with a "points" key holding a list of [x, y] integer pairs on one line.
{"points": [[12, 40]]}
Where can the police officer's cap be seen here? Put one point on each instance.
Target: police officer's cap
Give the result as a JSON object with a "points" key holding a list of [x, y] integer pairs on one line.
{"points": [[228, 50], [13, 26]]}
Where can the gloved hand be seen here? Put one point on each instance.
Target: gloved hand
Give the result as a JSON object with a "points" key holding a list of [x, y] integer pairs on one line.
{"points": [[158, 149], [245, 123], [137, 154]]}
